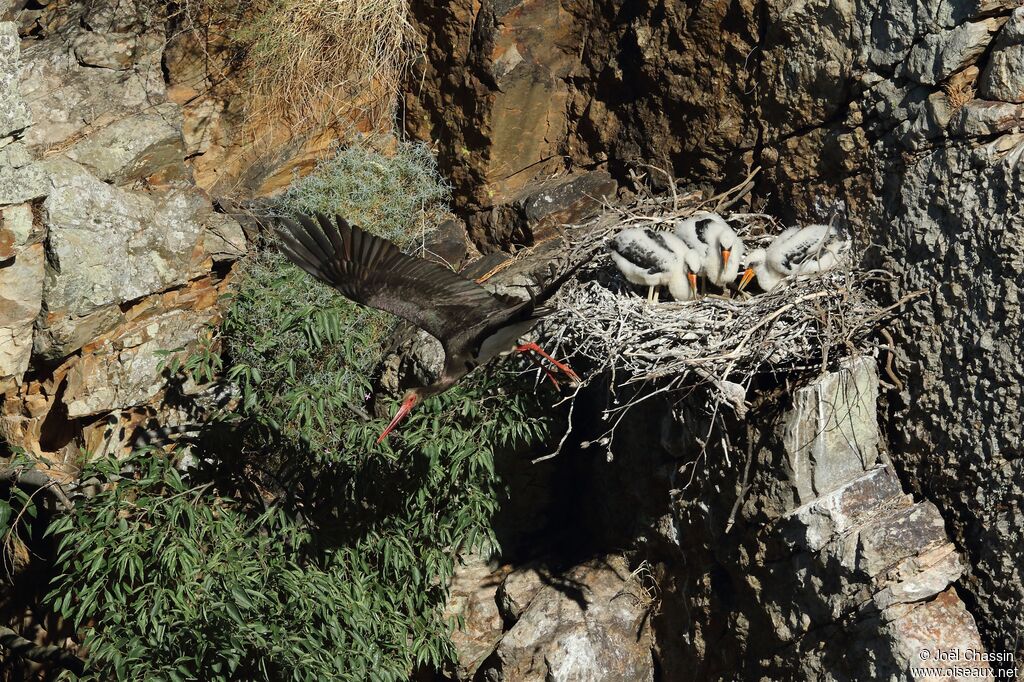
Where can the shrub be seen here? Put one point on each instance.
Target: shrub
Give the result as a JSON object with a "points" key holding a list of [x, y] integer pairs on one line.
{"points": [[399, 196], [299, 549]]}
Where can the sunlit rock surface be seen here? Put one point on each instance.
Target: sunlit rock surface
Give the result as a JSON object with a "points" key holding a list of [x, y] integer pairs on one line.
{"points": [[107, 248]]}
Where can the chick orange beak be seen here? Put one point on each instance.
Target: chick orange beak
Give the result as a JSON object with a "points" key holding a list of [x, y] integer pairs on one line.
{"points": [[404, 410], [748, 275], [725, 257], [692, 276]]}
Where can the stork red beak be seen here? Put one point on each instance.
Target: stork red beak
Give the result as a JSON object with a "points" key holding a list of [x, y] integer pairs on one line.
{"points": [[725, 257], [404, 410], [692, 276], [748, 275]]}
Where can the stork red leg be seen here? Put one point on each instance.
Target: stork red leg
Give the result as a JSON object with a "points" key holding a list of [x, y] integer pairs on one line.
{"points": [[537, 362], [540, 351], [551, 376]]}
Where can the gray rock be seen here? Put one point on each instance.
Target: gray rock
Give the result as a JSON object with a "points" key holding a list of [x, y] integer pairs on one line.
{"points": [[123, 369], [831, 435], [938, 624], [981, 118], [887, 539], [957, 431], [934, 183], [471, 598], [536, 210], [106, 50], [69, 101], [224, 238], [891, 29], [516, 592], [107, 246], [21, 289], [940, 55], [14, 114], [134, 147], [21, 179], [591, 626], [921, 577], [1003, 77], [813, 525], [808, 61], [15, 229]]}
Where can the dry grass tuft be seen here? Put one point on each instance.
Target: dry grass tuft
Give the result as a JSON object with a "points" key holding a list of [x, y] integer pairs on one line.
{"points": [[311, 62], [960, 88], [959, 94]]}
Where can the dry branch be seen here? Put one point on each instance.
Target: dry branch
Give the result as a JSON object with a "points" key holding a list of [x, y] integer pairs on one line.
{"points": [[53, 655]]}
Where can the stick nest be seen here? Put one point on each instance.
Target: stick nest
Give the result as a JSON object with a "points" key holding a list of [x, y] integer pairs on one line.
{"points": [[715, 342]]}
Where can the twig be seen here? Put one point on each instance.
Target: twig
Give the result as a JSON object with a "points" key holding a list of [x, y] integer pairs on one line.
{"points": [[889, 357], [37, 479], [745, 482]]}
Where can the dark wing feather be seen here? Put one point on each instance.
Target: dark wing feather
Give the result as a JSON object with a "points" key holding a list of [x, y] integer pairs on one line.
{"points": [[702, 229], [372, 271], [639, 255]]}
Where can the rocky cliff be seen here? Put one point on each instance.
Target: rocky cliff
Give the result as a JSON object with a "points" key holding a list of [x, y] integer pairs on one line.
{"points": [[793, 553], [111, 252], [114, 134], [909, 112]]}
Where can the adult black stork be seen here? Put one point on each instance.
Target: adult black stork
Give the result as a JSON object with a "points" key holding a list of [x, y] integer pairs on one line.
{"points": [[473, 325]]}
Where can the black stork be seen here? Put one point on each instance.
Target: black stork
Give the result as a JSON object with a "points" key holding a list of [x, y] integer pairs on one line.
{"points": [[473, 325]]}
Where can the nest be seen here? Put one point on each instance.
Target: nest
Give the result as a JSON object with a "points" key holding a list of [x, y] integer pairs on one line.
{"points": [[719, 343]]}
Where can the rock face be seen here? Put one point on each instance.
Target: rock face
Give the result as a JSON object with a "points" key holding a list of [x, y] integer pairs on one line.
{"points": [[856, 565], [21, 291], [15, 116], [909, 114], [782, 572], [106, 245], [1002, 79], [587, 624], [230, 153]]}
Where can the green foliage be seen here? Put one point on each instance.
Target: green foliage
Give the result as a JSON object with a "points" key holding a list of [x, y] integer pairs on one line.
{"points": [[19, 511], [304, 551], [400, 196], [302, 355], [184, 584]]}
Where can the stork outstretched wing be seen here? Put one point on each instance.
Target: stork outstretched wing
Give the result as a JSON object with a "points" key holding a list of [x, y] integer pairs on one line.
{"points": [[373, 271]]}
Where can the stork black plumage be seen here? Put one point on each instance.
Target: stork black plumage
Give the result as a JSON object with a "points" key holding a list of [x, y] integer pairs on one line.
{"points": [[473, 325]]}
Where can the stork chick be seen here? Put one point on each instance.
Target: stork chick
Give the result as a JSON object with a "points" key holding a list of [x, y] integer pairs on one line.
{"points": [[797, 251], [719, 245], [652, 258]]}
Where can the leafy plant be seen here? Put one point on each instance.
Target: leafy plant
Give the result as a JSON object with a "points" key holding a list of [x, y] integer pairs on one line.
{"points": [[19, 512], [297, 548]]}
